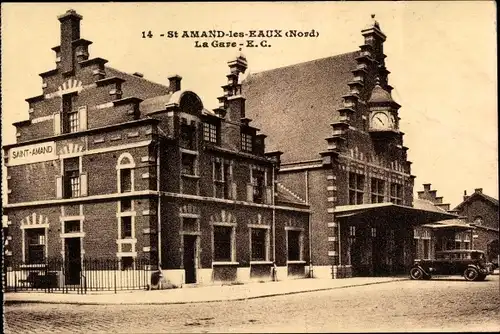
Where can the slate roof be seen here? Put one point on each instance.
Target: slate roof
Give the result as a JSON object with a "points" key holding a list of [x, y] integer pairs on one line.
{"points": [[136, 86], [296, 104], [450, 224], [424, 204], [490, 199]]}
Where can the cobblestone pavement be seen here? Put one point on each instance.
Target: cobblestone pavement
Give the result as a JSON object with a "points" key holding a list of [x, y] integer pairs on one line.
{"points": [[441, 304]]}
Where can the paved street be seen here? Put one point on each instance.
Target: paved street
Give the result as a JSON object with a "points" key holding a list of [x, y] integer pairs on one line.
{"points": [[442, 304]]}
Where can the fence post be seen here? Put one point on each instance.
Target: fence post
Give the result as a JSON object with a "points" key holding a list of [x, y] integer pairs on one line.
{"points": [[114, 275]]}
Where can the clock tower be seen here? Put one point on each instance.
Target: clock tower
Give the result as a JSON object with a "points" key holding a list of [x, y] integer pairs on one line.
{"points": [[383, 114]]}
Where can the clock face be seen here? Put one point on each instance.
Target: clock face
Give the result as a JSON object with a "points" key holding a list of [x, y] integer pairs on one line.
{"points": [[381, 120]]}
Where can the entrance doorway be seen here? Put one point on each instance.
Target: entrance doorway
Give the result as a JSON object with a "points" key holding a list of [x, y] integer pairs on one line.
{"points": [[190, 258], [73, 265]]}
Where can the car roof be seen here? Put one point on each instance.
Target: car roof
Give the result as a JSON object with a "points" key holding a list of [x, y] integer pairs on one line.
{"points": [[460, 251]]}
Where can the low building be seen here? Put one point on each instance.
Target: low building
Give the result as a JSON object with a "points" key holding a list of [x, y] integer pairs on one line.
{"points": [[110, 165], [481, 211]]}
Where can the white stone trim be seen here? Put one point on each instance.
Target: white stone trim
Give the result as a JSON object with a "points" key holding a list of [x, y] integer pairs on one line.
{"points": [[72, 235], [126, 254], [83, 199]]}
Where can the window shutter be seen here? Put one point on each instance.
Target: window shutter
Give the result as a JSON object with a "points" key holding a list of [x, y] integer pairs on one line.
{"points": [[249, 192], [83, 184], [234, 192], [269, 195], [59, 187], [57, 123], [82, 114]]}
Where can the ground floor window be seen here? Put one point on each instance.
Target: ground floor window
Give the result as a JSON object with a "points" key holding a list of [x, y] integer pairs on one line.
{"points": [[223, 243], [259, 244], [126, 227], [127, 262], [72, 226], [294, 245], [427, 250], [35, 245]]}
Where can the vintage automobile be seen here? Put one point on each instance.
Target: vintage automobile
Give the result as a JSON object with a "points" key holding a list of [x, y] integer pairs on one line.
{"points": [[469, 263]]}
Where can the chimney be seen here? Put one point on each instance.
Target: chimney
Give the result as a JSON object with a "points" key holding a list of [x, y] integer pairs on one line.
{"points": [[174, 83], [70, 31], [427, 186], [465, 195], [138, 74], [478, 190]]}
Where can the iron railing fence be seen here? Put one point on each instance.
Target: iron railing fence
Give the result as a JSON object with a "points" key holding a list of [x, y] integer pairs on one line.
{"points": [[80, 276]]}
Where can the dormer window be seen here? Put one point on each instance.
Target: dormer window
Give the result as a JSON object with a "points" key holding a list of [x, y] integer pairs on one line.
{"points": [[246, 142]]}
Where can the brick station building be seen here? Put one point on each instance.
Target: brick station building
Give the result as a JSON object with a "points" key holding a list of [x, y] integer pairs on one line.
{"points": [[111, 165], [338, 126], [481, 211]]}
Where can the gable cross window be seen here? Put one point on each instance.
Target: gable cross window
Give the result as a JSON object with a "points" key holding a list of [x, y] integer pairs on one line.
{"points": [[377, 190], [356, 188]]}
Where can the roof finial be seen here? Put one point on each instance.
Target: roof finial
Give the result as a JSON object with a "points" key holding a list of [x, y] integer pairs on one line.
{"points": [[374, 23], [377, 80]]}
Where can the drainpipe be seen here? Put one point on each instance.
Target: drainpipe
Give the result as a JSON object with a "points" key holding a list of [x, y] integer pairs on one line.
{"points": [[274, 214], [311, 268], [340, 243], [158, 213]]}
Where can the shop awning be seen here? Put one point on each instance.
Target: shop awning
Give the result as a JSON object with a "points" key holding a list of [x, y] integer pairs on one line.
{"points": [[388, 212]]}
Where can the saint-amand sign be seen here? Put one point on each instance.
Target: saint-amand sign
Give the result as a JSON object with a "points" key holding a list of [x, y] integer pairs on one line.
{"points": [[32, 153]]}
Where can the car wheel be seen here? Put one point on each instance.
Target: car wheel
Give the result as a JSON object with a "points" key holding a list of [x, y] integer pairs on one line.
{"points": [[471, 274], [416, 273]]}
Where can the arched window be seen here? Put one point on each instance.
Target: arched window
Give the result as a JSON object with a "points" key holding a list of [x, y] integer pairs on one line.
{"points": [[125, 173]]}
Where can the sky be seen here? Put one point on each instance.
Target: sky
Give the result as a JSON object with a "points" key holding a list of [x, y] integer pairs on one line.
{"points": [[441, 55]]}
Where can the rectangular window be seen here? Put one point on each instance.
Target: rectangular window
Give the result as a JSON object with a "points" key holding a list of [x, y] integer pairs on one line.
{"points": [[35, 245], [126, 232], [125, 205], [294, 245], [259, 244], [73, 120], [71, 177], [218, 172], [189, 224], [377, 190], [227, 181], [67, 109], [188, 136], [396, 193], [258, 182], [223, 238], [188, 164], [125, 180], [356, 188], [246, 142], [127, 262], [218, 178], [427, 251], [210, 133], [72, 226]]}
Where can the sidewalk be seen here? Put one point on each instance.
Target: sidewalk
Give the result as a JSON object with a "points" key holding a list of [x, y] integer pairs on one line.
{"points": [[197, 294]]}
